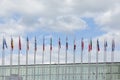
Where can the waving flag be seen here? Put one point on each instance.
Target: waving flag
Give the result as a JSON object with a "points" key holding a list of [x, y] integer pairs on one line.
{"points": [[82, 45], [43, 43], [113, 45], [51, 44], [12, 46], [27, 43], [19, 43], [66, 43], [98, 47], [35, 44], [4, 43], [105, 45], [90, 46], [59, 43], [74, 45]]}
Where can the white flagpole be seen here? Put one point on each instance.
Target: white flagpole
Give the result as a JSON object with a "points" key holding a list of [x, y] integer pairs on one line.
{"points": [[11, 56], [50, 57], [74, 69], [34, 64], [89, 65], [3, 63], [59, 46], [19, 63], [43, 58], [97, 65], [82, 47], [112, 59], [50, 65], [105, 57], [66, 59], [35, 58], [27, 64], [81, 65]]}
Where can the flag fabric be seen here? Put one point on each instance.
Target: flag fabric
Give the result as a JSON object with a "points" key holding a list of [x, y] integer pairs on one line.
{"points": [[105, 45], [43, 43], [51, 44], [74, 45], [66, 43], [82, 45], [90, 46], [27, 43], [113, 45], [4, 43], [59, 43], [12, 46], [35, 44], [98, 47], [19, 43]]}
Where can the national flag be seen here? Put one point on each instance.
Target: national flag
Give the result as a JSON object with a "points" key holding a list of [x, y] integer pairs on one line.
{"points": [[98, 47], [27, 43], [59, 43], [74, 45], [90, 46], [51, 43], [35, 44], [82, 44], [66, 43], [113, 45], [19, 43], [4, 43], [12, 46], [43, 43], [105, 45]]}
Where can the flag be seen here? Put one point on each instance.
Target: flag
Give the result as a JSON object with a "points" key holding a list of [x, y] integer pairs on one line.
{"points": [[12, 46], [35, 44], [27, 43], [59, 43], [105, 45], [51, 44], [19, 43], [113, 45], [82, 45], [90, 46], [4, 43], [66, 43], [74, 45], [98, 47], [43, 43]]}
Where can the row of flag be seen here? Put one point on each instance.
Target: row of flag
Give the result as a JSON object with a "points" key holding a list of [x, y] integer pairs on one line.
{"points": [[59, 43]]}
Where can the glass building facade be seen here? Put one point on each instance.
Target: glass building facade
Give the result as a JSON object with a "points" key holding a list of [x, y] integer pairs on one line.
{"points": [[77, 71]]}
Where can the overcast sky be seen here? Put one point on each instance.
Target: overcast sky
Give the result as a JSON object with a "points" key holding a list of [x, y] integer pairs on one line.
{"points": [[90, 19]]}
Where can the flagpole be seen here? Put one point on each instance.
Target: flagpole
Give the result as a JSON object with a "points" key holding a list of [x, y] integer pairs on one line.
{"points": [[43, 58], [19, 63], [11, 56], [27, 64], [50, 65], [74, 69], [112, 58], [105, 56], [82, 47], [34, 63], [97, 65], [59, 43], [43, 65], [3, 63], [81, 64], [89, 64], [66, 59], [50, 57], [58, 61]]}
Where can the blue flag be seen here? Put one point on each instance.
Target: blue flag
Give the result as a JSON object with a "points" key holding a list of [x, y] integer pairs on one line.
{"points": [[4, 43]]}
